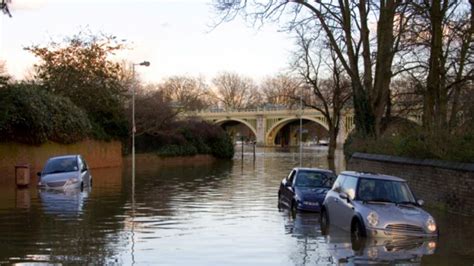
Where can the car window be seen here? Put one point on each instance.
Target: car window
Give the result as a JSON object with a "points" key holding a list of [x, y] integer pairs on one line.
{"points": [[349, 186], [338, 183], [312, 179], [60, 165], [384, 190]]}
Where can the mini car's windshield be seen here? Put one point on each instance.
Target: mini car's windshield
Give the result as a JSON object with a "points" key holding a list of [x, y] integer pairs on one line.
{"points": [[384, 191], [314, 179], [60, 165]]}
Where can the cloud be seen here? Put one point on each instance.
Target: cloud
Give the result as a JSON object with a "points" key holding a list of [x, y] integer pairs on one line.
{"points": [[26, 4]]}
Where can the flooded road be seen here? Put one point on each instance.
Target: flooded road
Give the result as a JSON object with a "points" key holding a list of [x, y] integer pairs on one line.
{"points": [[223, 213]]}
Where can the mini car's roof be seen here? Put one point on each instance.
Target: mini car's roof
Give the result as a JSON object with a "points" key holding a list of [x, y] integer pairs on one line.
{"points": [[373, 176], [64, 157], [313, 169]]}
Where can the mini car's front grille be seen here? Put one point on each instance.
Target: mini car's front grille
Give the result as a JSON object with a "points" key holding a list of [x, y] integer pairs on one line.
{"points": [[404, 228], [56, 184]]}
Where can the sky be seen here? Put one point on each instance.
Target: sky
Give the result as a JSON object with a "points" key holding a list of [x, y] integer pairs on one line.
{"points": [[175, 36]]}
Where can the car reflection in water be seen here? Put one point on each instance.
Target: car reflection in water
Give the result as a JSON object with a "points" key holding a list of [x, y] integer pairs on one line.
{"points": [[337, 247], [68, 202], [364, 251]]}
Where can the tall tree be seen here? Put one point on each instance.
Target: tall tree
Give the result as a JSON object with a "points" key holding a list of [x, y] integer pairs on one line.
{"points": [[366, 56], [327, 87], [80, 68], [236, 92], [439, 56]]}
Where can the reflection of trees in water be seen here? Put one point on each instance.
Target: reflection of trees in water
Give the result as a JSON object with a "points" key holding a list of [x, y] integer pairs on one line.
{"points": [[161, 190], [310, 248]]}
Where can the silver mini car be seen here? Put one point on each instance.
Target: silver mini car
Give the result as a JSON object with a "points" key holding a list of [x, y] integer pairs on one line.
{"points": [[65, 172], [375, 205]]}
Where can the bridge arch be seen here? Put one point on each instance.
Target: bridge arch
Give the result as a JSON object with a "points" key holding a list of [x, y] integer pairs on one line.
{"points": [[222, 121], [272, 132]]}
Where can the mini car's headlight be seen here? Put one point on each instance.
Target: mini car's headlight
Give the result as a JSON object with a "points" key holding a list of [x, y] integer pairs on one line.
{"points": [[373, 219], [431, 225]]}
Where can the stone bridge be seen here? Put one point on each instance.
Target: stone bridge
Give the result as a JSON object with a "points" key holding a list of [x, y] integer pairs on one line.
{"points": [[266, 123]]}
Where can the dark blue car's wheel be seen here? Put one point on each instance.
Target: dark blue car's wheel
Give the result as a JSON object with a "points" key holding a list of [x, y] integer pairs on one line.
{"points": [[293, 209], [324, 219]]}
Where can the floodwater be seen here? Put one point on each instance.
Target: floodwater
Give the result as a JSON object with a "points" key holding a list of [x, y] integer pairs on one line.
{"points": [[223, 213]]}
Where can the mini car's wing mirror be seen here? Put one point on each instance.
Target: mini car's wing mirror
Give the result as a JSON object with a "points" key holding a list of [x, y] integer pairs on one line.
{"points": [[420, 202], [38, 173], [343, 195]]}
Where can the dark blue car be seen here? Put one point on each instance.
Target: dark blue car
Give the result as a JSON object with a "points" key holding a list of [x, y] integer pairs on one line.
{"points": [[305, 189]]}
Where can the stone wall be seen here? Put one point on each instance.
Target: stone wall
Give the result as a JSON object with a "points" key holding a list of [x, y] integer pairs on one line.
{"points": [[98, 154], [447, 185]]}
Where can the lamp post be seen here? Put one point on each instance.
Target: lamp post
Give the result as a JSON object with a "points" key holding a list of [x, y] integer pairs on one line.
{"points": [[144, 63], [301, 124]]}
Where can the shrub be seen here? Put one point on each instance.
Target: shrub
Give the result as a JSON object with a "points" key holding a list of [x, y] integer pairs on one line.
{"points": [[33, 116], [415, 143], [188, 138]]}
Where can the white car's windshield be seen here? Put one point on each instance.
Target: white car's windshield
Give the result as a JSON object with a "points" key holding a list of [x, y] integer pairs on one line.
{"points": [[60, 165], [384, 191], [314, 179]]}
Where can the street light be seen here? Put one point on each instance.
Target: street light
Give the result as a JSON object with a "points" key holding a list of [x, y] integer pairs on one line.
{"points": [[144, 63], [301, 124]]}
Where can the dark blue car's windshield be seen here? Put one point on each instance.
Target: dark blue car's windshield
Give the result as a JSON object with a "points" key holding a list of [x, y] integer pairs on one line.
{"points": [[60, 165], [384, 191], [314, 179]]}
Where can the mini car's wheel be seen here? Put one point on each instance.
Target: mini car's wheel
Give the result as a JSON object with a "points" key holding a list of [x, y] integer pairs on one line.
{"points": [[357, 230], [82, 186], [324, 221]]}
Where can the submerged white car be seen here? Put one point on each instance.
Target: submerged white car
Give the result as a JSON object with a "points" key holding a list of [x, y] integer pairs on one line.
{"points": [[375, 205], [65, 172]]}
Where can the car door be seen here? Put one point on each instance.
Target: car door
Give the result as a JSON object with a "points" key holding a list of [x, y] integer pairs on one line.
{"points": [[345, 205], [288, 191], [331, 200]]}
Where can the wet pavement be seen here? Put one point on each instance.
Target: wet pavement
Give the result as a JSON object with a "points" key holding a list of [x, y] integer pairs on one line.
{"points": [[223, 213]]}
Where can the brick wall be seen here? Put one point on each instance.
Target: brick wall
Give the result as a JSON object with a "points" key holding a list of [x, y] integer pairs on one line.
{"points": [[98, 154], [442, 184]]}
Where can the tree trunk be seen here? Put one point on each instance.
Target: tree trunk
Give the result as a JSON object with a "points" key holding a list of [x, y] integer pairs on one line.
{"points": [[363, 116], [332, 142], [431, 101], [383, 67]]}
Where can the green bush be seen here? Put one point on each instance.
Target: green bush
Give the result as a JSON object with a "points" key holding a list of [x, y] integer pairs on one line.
{"points": [[415, 143], [33, 116], [222, 147], [188, 138]]}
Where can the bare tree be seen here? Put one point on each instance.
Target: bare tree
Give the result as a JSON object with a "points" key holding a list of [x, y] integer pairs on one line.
{"points": [[188, 92], [236, 92], [439, 57], [365, 56], [280, 90], [152, 112], [327, 94]]}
